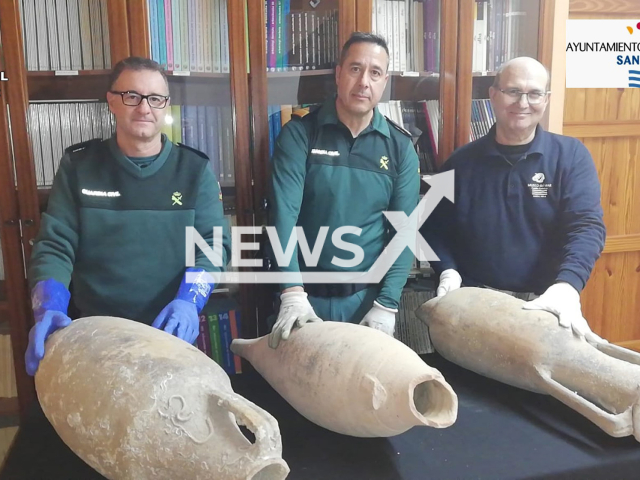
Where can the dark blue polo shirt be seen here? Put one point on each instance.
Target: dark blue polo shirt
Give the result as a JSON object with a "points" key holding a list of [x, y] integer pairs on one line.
{"points": [[520, 224]]}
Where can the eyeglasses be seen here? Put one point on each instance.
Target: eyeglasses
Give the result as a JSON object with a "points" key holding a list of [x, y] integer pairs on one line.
{"points": [[534, 98], [133, 99]]}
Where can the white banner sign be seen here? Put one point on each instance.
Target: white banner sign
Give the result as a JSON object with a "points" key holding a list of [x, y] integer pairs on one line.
{"points": [[603, 53]]}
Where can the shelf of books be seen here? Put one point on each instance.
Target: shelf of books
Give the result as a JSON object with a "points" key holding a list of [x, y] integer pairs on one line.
{"points": [[190, 39], [412, 31], [68, 56], [298, 54], [301, 51], [220, 324]]}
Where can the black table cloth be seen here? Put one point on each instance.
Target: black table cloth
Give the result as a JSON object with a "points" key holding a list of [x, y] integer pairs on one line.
{"points": [[501, 433]]}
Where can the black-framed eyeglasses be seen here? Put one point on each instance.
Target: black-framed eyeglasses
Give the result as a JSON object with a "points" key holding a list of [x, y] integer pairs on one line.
{"points": [[534, 98], [133, 99]]}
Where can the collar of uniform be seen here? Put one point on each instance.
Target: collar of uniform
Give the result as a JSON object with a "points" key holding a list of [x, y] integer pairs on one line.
{"points": [[134, 169], [329, 115], [489, 143]]}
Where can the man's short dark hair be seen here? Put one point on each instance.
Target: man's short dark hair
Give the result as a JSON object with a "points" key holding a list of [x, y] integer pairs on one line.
{"points": [[137, 64], [363, 37]]}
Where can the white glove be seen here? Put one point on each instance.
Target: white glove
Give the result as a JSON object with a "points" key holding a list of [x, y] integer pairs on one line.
{"points": [[380, 318], [295, 311], [563, 301], [450, 280]]}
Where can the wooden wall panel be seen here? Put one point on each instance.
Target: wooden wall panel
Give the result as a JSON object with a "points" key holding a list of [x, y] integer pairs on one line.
{"points": [[612, 128], [611, 300], [608, 123], [604, 8], [618, 163], [601, 104]]}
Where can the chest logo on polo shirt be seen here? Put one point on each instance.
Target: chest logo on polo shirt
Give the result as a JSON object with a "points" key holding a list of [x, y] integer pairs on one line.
{"points": [[99, 193], [538, 178], [177, 198], [384, 162], [539, 189], [319, 151]]}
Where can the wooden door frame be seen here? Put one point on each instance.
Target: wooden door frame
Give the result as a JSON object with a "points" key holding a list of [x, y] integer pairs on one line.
{"points": [[20, 205]]}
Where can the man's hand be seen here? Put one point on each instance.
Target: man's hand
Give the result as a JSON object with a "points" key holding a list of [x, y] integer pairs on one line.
{"points": [[50, 301], [295, 311], [380, 318], [179, 318], [51, 321], [450, 280], [563, 301]]}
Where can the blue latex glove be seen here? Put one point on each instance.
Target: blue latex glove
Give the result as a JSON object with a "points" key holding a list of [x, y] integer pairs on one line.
{"points": [[180, 317], [49, 300]]}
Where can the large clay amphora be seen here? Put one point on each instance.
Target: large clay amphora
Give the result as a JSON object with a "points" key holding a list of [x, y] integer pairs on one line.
{"points": [[489, 333], [353, 379], [136, 403]]}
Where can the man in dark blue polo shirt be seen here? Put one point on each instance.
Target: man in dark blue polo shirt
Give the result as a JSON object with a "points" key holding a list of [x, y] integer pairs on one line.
{"points": [[527, 214]]}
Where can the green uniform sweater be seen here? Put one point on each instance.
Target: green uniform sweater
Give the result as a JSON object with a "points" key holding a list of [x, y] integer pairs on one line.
{"points": [[118, 231], [340, 180]]}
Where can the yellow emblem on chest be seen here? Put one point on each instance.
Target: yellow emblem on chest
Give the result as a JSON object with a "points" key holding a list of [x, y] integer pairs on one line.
{"points": [[384, 162], [177, 198]]}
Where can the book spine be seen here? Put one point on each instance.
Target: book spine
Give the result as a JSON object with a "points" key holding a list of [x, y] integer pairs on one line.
{"points": [[273, 61], [168, 32], [177, 35], [234, 323], [193, 36], [153, 30], [225, 340], [162, 34], [106, 41], [184, 35], [52, 29], [224, 37], [204, 338], [216, 341]]}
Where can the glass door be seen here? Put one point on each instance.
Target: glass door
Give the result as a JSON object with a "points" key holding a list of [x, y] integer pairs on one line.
{"points": [[502, 30], [191, 39], [412, 30]]}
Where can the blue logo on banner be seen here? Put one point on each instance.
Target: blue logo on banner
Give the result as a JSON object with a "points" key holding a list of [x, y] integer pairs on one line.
{"points": [[634, 78]]}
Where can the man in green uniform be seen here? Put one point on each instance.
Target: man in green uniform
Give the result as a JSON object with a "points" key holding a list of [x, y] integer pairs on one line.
{"points": [[116, 219], [344, 165]]}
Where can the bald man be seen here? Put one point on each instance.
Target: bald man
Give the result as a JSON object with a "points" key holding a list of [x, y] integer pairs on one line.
{"points": [[527, 216]]}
